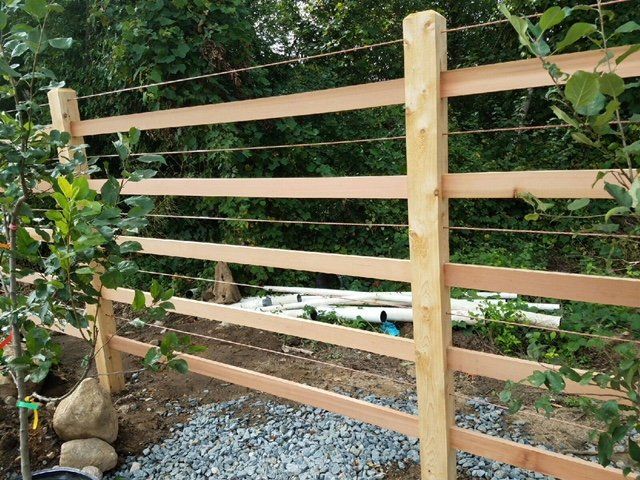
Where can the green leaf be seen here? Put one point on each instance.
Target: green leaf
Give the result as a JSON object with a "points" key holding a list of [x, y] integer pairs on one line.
{"points": [[633, 149], [634, 191], [61, 43], [134, 136], [152, 358], [582, 138], [532, 217], [554, 381], [619, 193], [140, 206], [111, 279], [552, 17], [576, 32], [583, 90], [565, 117], [149, 158], [605, 449], [630, 51], [616, 211], [7, 70], [36, 8], [155, 290], [130, 247], [3, 20], [634, 450], [578, 204], [179, 365], [110, 191], [611, 84], [139, 301], [628, 27]]}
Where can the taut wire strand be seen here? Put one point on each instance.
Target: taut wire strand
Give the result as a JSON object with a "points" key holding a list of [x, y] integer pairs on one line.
{"points": [[545, 232], [242, 69]]}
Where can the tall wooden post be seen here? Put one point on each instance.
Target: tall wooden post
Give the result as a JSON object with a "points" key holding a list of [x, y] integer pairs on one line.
{"points": [[64, 110], [425, 50]]}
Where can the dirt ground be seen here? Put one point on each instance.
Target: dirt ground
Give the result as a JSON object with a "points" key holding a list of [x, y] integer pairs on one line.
{"points": [[142, 403]]}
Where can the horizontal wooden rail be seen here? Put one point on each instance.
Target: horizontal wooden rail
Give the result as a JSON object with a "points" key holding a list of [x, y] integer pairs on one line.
{"points": [[523, 456], [531, 458], [382, 187], [541, 183], [467, 81], [384, 417], [380, 94], [353, 265], [502, 77], [565, 286], [372, 342], [504, 368]]}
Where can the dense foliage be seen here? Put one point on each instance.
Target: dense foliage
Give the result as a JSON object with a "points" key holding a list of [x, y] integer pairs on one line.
{"points": [[125, 43]]}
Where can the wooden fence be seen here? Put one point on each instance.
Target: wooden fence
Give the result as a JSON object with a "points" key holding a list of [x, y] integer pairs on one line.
{"points": [[427, 187]]}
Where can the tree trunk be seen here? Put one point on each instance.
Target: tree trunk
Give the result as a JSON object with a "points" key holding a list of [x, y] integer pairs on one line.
{"points": [[23, 415]]}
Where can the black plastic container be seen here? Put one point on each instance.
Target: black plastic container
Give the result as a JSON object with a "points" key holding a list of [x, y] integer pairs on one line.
{"points": [[62, 473]]}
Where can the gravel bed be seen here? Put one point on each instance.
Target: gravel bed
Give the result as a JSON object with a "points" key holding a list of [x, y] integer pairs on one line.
{"points": [[275, 441]]}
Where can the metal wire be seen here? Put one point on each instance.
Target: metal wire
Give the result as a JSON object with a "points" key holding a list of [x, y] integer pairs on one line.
{"points": [[526, 412], [243, 69], [265, 147], [525, 128], [286, 222], [549, 329], [545, 232], [199, 279], [276, 352], [535, 15]]}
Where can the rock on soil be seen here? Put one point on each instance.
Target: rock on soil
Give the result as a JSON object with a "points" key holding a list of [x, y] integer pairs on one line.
{"points": [[277, 441], [92, 452], [86, 413]]}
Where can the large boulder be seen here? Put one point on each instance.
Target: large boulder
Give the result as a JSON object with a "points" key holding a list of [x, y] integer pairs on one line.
{"points": [[87, 413], [88, 452]]}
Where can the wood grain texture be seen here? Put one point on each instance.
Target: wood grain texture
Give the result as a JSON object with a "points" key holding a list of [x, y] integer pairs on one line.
{"points": [[341, 99], [64, 110], [377, 343], [565, 286], [383, 417], [501, 77], [531, 458], [504, 368], [467, 81], [542, 184], [523, 456], [383, 187], [425, 56], [354, 265]]}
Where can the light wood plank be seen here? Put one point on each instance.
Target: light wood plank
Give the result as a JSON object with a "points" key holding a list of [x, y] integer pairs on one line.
{"points": [[341, 99], [377, 343], [504, 368], [468, 81], [383, 187], [425, 53], [63, 104], [531, 458], [360, 410], [542, 184], [528, 73], [354, 265], [565, 286], [523, 456]]}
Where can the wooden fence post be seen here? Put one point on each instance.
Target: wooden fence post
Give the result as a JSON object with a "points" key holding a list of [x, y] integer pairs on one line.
{"points": [[64, 110], [425, 50]]}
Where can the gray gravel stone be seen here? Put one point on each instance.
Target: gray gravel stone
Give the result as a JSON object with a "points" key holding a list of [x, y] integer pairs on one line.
{"points": [[282, 442]]}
